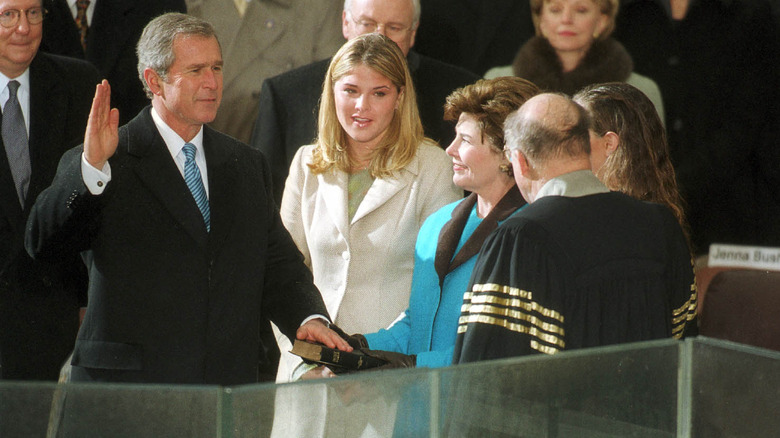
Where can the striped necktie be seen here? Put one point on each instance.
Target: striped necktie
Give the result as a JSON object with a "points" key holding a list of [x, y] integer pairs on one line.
{"points": [[195, 183], [14, 134], [81, 21]]}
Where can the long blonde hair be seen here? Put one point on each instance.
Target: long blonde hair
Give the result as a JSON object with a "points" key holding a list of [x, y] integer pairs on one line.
{"points": [[405, 133]]}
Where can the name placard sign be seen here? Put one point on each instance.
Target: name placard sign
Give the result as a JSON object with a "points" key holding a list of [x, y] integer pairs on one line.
{"points": [[741, 256]]}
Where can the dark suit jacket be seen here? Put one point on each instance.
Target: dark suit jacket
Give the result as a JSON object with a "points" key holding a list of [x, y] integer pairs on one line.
{"points": [[39, 301], [169, 302], [289, 103], [111, 39], [474, 34]]}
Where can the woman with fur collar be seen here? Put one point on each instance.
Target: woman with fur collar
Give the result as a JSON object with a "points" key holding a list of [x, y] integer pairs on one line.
{"points": [[572, 49]]}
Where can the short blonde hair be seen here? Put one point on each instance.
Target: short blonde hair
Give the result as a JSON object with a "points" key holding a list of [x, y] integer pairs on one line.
{"points": [[607, 7], [405, 133]]}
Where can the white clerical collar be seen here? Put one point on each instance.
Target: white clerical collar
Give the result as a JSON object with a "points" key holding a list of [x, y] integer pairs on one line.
{"points": [[573, 185]]}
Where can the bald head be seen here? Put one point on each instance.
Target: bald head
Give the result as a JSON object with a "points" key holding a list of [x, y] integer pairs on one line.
{"points": [[549, 137], [548, 127]]}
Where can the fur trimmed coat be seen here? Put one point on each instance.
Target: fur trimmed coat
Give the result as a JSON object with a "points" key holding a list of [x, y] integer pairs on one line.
{"points": [[606, 61]]}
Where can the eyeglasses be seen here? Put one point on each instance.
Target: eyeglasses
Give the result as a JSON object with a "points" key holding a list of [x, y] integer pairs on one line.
{"points": [[508, 154], [369, 26], [10, 17]]}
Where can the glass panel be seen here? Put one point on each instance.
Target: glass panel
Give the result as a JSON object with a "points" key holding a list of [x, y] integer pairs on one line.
{"points": [[622, 391], [736, 390], [73, 410], [367, 404]]}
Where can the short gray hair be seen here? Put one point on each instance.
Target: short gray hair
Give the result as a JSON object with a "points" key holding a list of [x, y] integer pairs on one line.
{"points": [[155, 47], [415, 4]]}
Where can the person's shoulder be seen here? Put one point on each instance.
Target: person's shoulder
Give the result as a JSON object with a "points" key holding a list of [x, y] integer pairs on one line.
{"points": [[497, 72], [430, 152], [314, 71], [63, 65], [445, 72]]}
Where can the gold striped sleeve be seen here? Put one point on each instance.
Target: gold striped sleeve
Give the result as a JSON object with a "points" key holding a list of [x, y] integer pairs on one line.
{"points": [[513, 309], [686, 313]]}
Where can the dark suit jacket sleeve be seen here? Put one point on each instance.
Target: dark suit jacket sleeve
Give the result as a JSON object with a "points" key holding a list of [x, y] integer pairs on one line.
{"points": [[289, 293], [64, 215]]}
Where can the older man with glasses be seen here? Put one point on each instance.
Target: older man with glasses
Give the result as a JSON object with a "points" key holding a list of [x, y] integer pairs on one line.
{"points": [[45, 101]]}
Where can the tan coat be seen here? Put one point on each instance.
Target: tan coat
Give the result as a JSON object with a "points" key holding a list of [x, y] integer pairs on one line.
{"points": [[273, 37], [362, 267]]}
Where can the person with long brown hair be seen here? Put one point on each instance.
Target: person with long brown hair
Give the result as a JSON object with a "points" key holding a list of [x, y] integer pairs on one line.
{"points": [[628, 145]]}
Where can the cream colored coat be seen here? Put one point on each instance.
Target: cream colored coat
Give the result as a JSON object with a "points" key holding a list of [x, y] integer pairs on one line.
{"points": [[274, 36], [362, 267]]}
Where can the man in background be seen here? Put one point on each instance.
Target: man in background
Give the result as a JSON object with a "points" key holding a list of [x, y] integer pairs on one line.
{"points": [[104, 32], [260, 39], [45, 102]]}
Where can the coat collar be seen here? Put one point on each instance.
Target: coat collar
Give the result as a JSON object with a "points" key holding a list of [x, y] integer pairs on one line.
{"points": [[606, 61], [451, 232], [153, 164], [334, 186]]}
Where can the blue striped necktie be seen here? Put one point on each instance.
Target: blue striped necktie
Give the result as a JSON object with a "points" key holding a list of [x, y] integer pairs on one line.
{"points": [[195, 183]]}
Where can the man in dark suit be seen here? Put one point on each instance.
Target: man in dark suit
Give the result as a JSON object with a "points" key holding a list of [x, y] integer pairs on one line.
{"points": [[287, 118], [113, 28], [39, 301], [184, 245], [474, 34]]}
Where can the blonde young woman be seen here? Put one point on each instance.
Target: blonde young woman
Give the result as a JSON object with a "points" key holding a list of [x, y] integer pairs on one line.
{"points": [[573, 48], [355, 200]]}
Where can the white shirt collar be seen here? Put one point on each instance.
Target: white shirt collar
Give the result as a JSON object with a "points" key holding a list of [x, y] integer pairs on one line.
{"points": [[573, 185], [174, 142]]}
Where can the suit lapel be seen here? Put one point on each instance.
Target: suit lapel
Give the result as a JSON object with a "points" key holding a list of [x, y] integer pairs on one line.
{"points": [[48, 104], [222, 189], [334, 189], [383, 189], [9, 201], [59, 30], [152, 162], [111, 26]]}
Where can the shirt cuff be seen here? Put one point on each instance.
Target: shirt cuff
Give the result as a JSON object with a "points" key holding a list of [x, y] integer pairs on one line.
{"points": [[95, 179], [322, 317]]}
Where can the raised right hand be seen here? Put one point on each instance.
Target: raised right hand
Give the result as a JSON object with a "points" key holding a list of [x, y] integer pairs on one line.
{"points": [[102, 135]]}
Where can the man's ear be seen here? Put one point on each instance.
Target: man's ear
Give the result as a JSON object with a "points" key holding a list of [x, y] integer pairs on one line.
{"points": [[345, 25], [526, 170], [611, 142], [153, 81]]}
